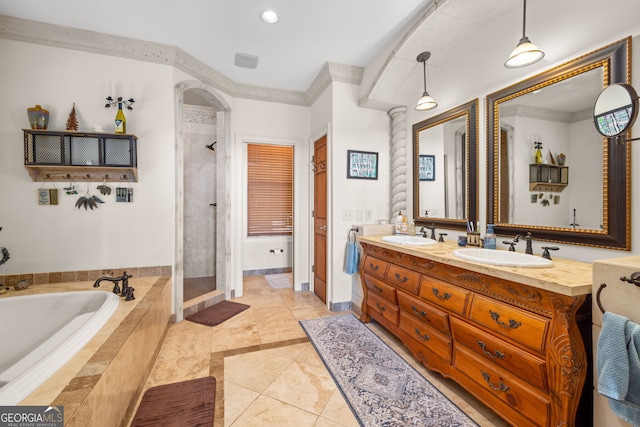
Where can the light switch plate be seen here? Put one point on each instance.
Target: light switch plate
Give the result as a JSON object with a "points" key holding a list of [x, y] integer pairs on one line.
{"points": [[347, 215], [368, 215], [358, 215]]}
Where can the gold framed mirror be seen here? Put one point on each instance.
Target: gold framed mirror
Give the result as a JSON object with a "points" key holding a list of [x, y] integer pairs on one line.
{"points": [[445, 168], [548, 170]]}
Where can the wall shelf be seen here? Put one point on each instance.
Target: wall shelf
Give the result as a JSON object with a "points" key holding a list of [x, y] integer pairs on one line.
{"points": [[543, 177], [80, 156]]}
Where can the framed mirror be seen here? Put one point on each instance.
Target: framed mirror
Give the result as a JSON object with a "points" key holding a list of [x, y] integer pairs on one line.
{"points": [[548, 169], [445, 168]]}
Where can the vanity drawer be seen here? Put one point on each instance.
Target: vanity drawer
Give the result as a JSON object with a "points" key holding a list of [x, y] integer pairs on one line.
{"points": [[388, 310], [447, 296], [505, 387], [424, 312], [437, 343], [375, 267], [521, 326], [381, 289], [403, 278], [503, 354]]}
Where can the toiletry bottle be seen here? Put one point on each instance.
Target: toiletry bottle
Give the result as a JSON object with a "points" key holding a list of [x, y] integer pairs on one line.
{"points": [[121, 121], [405, 225], [490, 238], [398, 223]]}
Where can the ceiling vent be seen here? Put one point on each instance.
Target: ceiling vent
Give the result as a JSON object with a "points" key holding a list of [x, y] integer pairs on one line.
{"points": [[245, 60]]}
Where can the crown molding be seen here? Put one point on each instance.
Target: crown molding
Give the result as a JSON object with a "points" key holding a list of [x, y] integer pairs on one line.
{"points": [[28, 31]]}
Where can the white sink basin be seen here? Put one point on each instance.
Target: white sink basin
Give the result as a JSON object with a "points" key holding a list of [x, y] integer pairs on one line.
{"points": [[400, 239], [502, 258]]}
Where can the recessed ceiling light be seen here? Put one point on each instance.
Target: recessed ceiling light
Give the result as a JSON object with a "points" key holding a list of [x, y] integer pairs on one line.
{"points": [[269, 16]]}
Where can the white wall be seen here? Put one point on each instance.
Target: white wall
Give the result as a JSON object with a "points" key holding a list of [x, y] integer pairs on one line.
{"points": [[354, 128], [475, 69], [63, 238], [278, 124]]}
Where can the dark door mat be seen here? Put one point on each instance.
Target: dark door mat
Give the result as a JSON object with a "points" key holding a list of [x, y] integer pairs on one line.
{"points": [[217, 313], [184, 404]]}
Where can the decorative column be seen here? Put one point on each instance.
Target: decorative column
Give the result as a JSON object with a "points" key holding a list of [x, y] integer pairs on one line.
{"points": [[398, 160]]}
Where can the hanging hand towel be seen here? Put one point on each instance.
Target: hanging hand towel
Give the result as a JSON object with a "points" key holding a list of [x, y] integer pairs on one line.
{"points": [[352, 258], [618, 366]]}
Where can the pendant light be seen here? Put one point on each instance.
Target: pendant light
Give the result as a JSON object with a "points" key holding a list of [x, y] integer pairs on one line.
{"points": [[526, 53], [426, 102]]}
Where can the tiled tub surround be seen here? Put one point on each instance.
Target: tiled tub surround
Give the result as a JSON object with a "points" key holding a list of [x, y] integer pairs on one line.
{"points": [[102, 382], [83, 275], [513, 337]]}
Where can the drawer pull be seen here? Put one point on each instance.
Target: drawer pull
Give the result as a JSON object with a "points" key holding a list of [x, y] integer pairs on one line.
{"points": [[378, 289], [500, 387], [496, 354], [424, 337], [418, 313], [382, 308], [444, 297], [374, 267], [513, 324], [404, 279]]}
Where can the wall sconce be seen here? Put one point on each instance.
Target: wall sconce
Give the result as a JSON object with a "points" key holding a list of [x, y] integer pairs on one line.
{"points": [[426, 102], [526, 53]]}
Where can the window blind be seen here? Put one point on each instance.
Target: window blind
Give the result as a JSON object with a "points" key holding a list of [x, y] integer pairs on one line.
{"points": [[270, 190]]}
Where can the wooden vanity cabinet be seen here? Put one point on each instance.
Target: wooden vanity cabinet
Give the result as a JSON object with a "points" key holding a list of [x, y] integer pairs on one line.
{"points": [[515, 347]]}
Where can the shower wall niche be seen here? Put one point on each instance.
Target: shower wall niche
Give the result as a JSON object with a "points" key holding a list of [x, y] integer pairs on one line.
{"points": [[199, 136]]}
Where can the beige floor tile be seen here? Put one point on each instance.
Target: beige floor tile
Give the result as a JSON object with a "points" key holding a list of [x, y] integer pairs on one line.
{"points": [[290, 351], [324, 422], [266, 411], [310, 356], [337, 410], [281, 331], [238, 332], [194, 341], [180, 369], [255, 370], [236, 400], [304, 386], [309, 313]]}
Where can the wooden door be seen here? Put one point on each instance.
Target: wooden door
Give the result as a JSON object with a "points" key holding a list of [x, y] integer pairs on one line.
{"points": [[320, 219]]}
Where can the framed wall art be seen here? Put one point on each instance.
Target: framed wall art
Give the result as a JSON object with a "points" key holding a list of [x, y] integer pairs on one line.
{"points": [[427, 167], [362, 164]]}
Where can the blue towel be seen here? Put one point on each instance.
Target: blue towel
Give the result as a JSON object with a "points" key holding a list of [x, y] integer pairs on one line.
{"points": [[618, 366], [352, 258]]}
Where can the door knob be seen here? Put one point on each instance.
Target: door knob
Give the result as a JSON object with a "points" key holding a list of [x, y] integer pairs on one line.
{"points": [[323, 227]]}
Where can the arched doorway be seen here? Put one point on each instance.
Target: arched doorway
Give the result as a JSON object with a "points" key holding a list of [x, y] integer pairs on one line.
{"points": [[194, 90]]}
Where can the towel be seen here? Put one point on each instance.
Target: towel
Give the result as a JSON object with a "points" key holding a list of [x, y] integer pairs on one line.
{"points": [[352, 258], [618, 366]]}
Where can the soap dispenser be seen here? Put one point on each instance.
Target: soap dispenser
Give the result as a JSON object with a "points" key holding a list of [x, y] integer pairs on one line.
{"points": [[398, 223], [490, 238]]}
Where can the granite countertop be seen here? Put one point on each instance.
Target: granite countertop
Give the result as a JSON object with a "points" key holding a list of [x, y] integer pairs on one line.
{"points": [[566, 277]]}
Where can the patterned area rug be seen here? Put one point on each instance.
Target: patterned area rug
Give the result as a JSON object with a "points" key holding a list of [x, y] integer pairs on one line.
{"points": [[279, 280], [381, 387]]}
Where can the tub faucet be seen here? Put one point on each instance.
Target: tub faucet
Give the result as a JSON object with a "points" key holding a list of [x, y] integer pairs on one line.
{"points": [[127, 291]]}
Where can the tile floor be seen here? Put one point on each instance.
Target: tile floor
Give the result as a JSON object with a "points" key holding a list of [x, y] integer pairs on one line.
{"points": [[267, 372]]}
